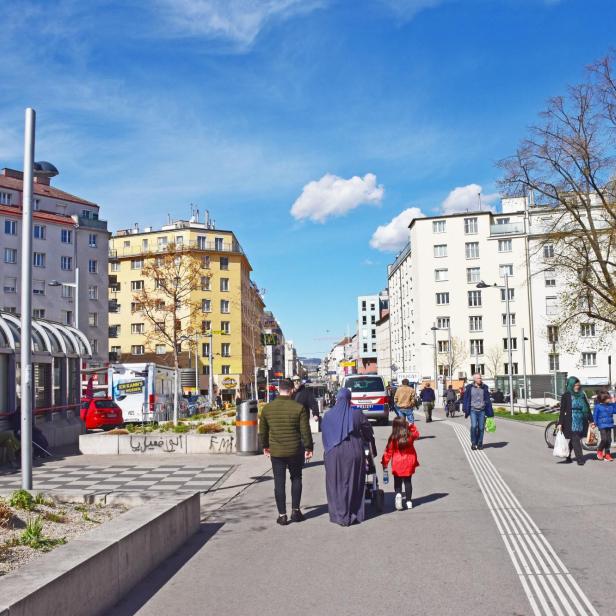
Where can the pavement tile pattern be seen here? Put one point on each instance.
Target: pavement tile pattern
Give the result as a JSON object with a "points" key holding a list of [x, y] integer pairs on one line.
{"points": [[122, 478]]}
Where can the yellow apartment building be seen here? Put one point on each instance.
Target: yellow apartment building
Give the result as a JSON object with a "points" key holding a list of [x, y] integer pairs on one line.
{"points": [[231, 306]]}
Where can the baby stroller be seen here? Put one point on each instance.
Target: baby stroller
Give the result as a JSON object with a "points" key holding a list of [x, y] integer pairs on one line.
{"points": [[373, 493], [451, 408]]}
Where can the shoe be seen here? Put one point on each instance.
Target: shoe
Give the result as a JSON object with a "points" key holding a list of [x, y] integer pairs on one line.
{"points": [[580, 462], [568, 460], [473, 447], [480, 447], [608, 457], [398, 502], [599, 455], [409, 504], [282, 520], [297, 516]]}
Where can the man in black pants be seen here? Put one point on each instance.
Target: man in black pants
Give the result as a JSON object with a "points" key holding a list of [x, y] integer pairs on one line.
{"points": [[286, 437]]}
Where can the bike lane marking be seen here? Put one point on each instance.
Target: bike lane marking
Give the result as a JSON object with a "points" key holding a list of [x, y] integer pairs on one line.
{"points": [[548, 585]]}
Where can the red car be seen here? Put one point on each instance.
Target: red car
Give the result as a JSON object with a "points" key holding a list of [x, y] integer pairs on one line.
{"points": [[101, 413]]}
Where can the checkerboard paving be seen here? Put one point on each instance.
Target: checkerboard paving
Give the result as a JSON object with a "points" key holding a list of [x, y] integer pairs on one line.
{"points": [[125, 478]]}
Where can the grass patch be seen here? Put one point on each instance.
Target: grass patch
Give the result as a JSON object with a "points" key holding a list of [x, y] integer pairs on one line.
{"points": [[86, 518], [22, 499], [40, 499], [33, 536], [181, 428], [209, 428], [117, 431], [531, 417], [52, 516]]}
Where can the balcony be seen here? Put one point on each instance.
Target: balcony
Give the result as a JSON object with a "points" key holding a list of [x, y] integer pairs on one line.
{"points": [[512, 228], [92, 223], [136, 251], [114, 306], [114, 331]]}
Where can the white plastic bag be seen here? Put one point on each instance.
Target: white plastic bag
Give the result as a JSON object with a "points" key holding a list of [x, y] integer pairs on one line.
{"points": [[314, 424], [561, 446]]}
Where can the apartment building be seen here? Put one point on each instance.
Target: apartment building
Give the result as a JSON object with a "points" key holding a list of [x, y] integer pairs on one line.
{"points": [[274, 354], [231, 306], [69, 250], [434, 295], [369, 308], [383, 346]]}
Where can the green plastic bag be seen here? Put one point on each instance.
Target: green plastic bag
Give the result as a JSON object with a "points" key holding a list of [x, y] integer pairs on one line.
{"points": [[490, 424]]}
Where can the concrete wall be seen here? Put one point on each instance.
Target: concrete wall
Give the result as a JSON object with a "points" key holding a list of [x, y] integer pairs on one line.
{"points": [[61, 428]]}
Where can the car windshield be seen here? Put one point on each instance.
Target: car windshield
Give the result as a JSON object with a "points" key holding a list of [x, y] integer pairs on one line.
{"points": [[106, 404], [366, 384]]}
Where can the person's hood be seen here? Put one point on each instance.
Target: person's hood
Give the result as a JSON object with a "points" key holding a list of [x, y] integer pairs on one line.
{"points": [[571, 381]]}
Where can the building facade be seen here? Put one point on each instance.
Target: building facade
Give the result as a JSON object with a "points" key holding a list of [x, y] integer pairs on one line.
{"points": [[383, 347], [69, 259], [369, 308], [274, 360]]}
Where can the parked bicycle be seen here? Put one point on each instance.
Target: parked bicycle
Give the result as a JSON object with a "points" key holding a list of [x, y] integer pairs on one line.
{"points": [[552, 429]]}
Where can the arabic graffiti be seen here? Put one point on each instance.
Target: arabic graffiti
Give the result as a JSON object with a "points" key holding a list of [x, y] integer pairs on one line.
{"points": [[221, 444], [167, 444]]}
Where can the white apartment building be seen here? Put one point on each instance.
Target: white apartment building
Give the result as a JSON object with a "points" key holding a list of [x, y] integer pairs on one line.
{"points": [[274, 354], [291, 364], [383, 347], [432, 284], [369, 308], [67, 236]]}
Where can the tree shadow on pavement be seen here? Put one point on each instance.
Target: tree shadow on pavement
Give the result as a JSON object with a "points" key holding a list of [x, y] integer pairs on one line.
{"points": [[428, 498], [497, 445], [315, 511]]}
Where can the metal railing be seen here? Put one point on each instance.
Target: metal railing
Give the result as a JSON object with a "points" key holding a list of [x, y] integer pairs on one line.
{"points": [[135, 251], [511, 228]]}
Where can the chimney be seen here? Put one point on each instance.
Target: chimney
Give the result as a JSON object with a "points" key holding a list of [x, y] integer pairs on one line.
{"points": [[12, 173], [42, 180]]}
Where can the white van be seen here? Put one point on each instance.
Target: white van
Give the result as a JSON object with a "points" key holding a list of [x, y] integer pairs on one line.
{"points": [[368, 393]]}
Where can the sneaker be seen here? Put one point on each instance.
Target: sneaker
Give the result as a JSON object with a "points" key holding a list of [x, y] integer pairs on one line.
{"points": [[282, 520], [599, 455], [608, 457], [398, 502], [297, 516], [409, 504], [473, 447]]}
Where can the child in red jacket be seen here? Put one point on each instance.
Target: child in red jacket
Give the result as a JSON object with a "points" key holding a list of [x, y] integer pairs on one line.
{"points": [[401, 451]]}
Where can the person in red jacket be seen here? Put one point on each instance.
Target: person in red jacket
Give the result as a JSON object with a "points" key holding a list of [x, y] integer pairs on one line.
{"points": [[401, 451]]}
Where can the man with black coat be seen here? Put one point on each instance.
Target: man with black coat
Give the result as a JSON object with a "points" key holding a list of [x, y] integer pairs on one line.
{"points": [[305, 397], [476, 403]]}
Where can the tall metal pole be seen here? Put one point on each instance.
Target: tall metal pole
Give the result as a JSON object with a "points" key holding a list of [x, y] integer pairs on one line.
{"points": [[76, 318], [450, 351], [435, 368], [509, 344], [196, 364], [26, 303], [524, 371], [175, 396], [210, 356]]}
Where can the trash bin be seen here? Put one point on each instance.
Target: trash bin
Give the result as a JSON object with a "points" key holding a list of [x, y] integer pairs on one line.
{"points": [[247, 428]]}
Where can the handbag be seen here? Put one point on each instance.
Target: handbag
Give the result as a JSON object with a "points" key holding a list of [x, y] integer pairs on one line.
{"points": [[591, 437], [561, 446], [490, 424]]}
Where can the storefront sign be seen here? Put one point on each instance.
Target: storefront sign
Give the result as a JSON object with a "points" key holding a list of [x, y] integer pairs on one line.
{"points": [[130, 387], [229, 383]]}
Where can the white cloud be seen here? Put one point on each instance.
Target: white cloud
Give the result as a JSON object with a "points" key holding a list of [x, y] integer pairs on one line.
{"points": [[394, 236], [237, 21], [335, 196], [407, 9], [466, 198]]}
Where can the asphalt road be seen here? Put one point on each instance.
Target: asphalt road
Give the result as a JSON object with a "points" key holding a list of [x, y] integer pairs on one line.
{"points": [[509, 530]]}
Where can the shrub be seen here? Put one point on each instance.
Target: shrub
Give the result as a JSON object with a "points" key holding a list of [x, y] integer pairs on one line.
{"points": [[130, 427], [22, 499], [51, 516], [40, 499], [118, 431], [181, 428], [6, 515], [230, 414], [209, 428], [33, 536]]}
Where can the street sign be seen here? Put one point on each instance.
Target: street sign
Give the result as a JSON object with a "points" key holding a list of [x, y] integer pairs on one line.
{"points": [[269, 339], [347, 364]]}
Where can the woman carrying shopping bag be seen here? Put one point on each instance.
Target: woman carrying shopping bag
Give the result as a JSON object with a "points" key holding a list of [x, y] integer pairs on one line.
{"points": [[575, 417]]}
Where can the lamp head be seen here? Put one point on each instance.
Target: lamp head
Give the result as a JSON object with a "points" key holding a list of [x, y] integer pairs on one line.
{"points": [[54, 283], [44, 169], [482, 285]]}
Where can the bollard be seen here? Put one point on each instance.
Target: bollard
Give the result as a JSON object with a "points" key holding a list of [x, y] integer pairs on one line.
{"points": [[247, 428]]}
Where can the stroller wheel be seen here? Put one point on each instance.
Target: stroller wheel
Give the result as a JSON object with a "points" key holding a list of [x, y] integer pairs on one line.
{"points": [[378, 501]]}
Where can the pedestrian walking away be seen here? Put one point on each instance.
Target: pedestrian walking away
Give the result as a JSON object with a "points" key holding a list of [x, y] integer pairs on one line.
{"points": [[450, 401], [575, 417], [305, 397], [428, 398], [405, 401], [603, 416], [285, 435], [478, 406], [345, 433], [401, 452]]}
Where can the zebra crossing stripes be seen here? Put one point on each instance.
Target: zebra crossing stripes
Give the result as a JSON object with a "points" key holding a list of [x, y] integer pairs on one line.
{"points": [[548, 585]]}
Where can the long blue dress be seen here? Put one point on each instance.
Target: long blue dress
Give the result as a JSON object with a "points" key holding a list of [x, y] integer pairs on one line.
{"points": [[345, 473]]}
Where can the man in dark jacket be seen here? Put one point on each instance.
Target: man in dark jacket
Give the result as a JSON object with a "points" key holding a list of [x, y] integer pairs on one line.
{"points": [[305, 397], [285, 435], [428, 397], [478, 405]]}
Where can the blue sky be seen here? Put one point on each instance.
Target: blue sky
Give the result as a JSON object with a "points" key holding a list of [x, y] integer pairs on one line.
{"points": [[302, 125]]}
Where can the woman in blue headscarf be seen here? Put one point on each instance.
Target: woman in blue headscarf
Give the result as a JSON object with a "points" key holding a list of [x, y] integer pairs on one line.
{"points": [[575, 417], [345, 430]]}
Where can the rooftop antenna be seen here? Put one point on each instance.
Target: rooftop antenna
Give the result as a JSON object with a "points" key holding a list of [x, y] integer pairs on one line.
{"points": [[479, 198]]}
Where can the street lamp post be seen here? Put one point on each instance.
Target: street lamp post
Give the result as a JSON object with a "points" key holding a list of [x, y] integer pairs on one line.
{"points": [[72, 285], [434, 329], [43, 169], [524, 339]]}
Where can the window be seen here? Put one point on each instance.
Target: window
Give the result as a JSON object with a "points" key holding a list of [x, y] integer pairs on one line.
{"points": [[136, 264], [440, 250], [365, 347], [442, 346], [554, 360], [206, 305], [481, 368], [224, 306], [548, 251], [364, 320], [505, 270], [551, 305], [439, 226], [85, 213], [472, 250], [10, 284], [474, 299], [179, 240], [161, 242], [93, 319], [144, 243], [67, 292], [470, 226], [137, 328], [66, 263], [114, 331], [205, 262], [224, 284], [504, 294], [205, 283], [205, 370], [440, 275], [503, 221], [442, 322], [38, 287], [92, 266], [373, 319], [225, 327], [552, 333], [473, 274], [550, 277], [205, 349], [225, 369], [115, 266], [136, 285], [5, 198], [137, 349], [514, 344], [218, 243], [38, 313], [442, 299], [68, 317], [135, 306], [363, 305], [224, 263], [587, 330], [10, 255], [10, 309], [10, 227], [160, 349], [36, 204], [504, 245], [206, 326], [66, 236], [477, 346], [589, 359], [511, 319], [39, 232], [126, 243], [38, 259], [92, 240], [225, 349], [116, 350], [475, 324], [514, 370]]}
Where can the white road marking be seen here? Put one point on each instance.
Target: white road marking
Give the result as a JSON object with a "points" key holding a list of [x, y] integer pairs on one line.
{"points": [[548, 585]]}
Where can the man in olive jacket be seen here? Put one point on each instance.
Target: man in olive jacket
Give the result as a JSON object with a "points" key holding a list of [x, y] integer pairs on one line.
{"points": [[286, 437]]}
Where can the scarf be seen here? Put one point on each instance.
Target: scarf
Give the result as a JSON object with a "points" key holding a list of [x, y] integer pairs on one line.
{"points": [[579, 405], [337, 423]]}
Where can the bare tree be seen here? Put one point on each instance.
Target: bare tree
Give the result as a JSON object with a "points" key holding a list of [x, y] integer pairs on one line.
{"points": [[568, 162], [458, 355], [494, 360], [165, 299]]}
